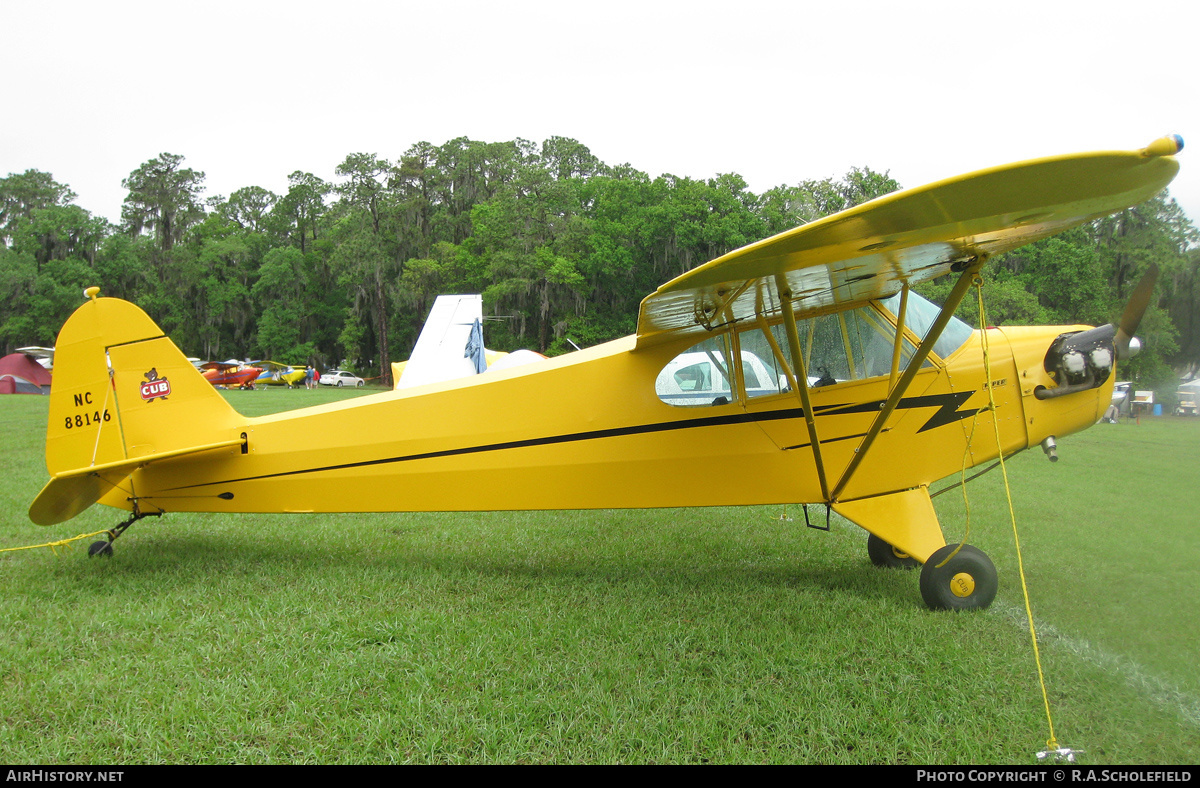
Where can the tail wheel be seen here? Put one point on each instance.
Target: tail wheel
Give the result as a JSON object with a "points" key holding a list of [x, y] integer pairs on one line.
{"points": [[100, 548], [968, 581], [885, 555]]}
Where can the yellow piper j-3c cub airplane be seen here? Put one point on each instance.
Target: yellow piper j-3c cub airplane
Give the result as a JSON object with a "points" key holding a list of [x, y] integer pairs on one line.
{"points": [[799, 369]]}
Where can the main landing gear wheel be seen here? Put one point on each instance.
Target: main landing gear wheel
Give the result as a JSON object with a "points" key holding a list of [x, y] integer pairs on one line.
{"points": [[100, 548], [968, 581], [884, 555]]}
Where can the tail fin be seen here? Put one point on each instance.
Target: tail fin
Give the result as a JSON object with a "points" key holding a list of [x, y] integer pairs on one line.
{"points": [[122, 395], [440, 353]]}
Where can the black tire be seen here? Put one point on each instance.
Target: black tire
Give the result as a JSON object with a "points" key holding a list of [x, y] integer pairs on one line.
{"points": [[339, 384], [884, 555], [968, 581], [100, 548], [359, 384]]}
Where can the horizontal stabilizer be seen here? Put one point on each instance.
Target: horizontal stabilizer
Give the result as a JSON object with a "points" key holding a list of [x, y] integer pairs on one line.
{"points": [[70, 492], [62, 499]]}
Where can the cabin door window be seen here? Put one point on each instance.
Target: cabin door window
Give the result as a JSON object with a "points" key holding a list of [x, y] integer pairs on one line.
{"points": [[851, 345], [763, 373]]}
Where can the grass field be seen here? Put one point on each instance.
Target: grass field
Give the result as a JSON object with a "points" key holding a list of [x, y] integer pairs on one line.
{"points": [[668, 636]]}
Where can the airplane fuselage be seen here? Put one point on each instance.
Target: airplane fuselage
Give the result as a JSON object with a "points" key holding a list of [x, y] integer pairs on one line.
{"points": [[588, 430]]}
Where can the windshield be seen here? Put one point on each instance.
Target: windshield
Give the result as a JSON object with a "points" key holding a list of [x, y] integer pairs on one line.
{"points": [[919, 316]]}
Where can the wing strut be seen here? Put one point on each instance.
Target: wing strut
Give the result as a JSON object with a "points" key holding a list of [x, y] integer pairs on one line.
{"points": [[899, 336], [910, 372], [799, 380]]}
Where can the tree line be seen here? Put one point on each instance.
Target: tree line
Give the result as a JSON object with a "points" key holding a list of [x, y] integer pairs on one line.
{"points": [[562, 246]]}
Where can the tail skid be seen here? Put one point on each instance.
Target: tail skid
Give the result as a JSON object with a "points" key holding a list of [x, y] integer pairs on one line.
{"points": [[123, 396]]}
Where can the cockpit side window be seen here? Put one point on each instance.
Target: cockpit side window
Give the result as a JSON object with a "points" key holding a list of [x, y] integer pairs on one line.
{"points": [[853, 344]]}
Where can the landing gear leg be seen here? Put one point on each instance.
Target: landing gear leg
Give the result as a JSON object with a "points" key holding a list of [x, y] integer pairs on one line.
{"points": [[105, 548]]}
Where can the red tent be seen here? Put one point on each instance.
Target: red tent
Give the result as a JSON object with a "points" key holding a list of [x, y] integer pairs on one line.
{"points": [[21, 374]]}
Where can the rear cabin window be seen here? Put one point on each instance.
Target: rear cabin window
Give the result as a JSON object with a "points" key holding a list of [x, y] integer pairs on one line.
{"points": [[699, 376]]}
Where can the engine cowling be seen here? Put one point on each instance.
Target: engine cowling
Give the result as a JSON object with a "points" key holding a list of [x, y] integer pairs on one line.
{"points": [[1079, 361]]}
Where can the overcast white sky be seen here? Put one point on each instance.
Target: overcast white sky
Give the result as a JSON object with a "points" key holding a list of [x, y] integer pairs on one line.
{"points": [[250, 91]]}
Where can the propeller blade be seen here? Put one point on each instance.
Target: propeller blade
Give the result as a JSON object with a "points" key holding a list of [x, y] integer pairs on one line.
{"points": [[1134, 310]]}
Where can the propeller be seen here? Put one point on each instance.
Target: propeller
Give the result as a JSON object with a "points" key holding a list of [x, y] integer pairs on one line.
{"points": [[1134, 310]]}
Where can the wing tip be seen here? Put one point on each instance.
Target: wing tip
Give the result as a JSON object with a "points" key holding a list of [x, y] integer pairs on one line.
{"points": [[1164, 146]]}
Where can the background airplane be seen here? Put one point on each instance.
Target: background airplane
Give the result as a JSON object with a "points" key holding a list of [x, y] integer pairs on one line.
{"points": [[276, 374], [450, 345], [43, 355], [230, 374]]}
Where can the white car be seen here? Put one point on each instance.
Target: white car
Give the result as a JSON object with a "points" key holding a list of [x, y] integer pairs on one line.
{"points": [[339, 378]]}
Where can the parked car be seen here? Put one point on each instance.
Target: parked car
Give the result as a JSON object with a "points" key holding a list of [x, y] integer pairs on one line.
{"points": [[340, 378]]}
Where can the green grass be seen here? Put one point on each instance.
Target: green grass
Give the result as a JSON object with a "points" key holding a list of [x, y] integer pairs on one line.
{"points": [[672, 636]]}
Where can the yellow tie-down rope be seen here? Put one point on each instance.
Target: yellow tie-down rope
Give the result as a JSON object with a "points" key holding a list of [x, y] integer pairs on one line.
{"points": [[1052, 749], [55, 545]]}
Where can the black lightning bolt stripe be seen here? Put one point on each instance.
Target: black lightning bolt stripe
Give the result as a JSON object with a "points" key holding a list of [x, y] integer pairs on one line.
{"points": [[947, 413], [947, 405]]}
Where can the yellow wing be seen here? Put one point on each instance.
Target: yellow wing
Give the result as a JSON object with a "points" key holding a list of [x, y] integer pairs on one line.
{"points": [[872, 250]]}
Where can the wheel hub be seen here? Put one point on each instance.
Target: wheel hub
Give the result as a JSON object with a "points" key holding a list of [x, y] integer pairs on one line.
{"points": [[962, 585]]}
